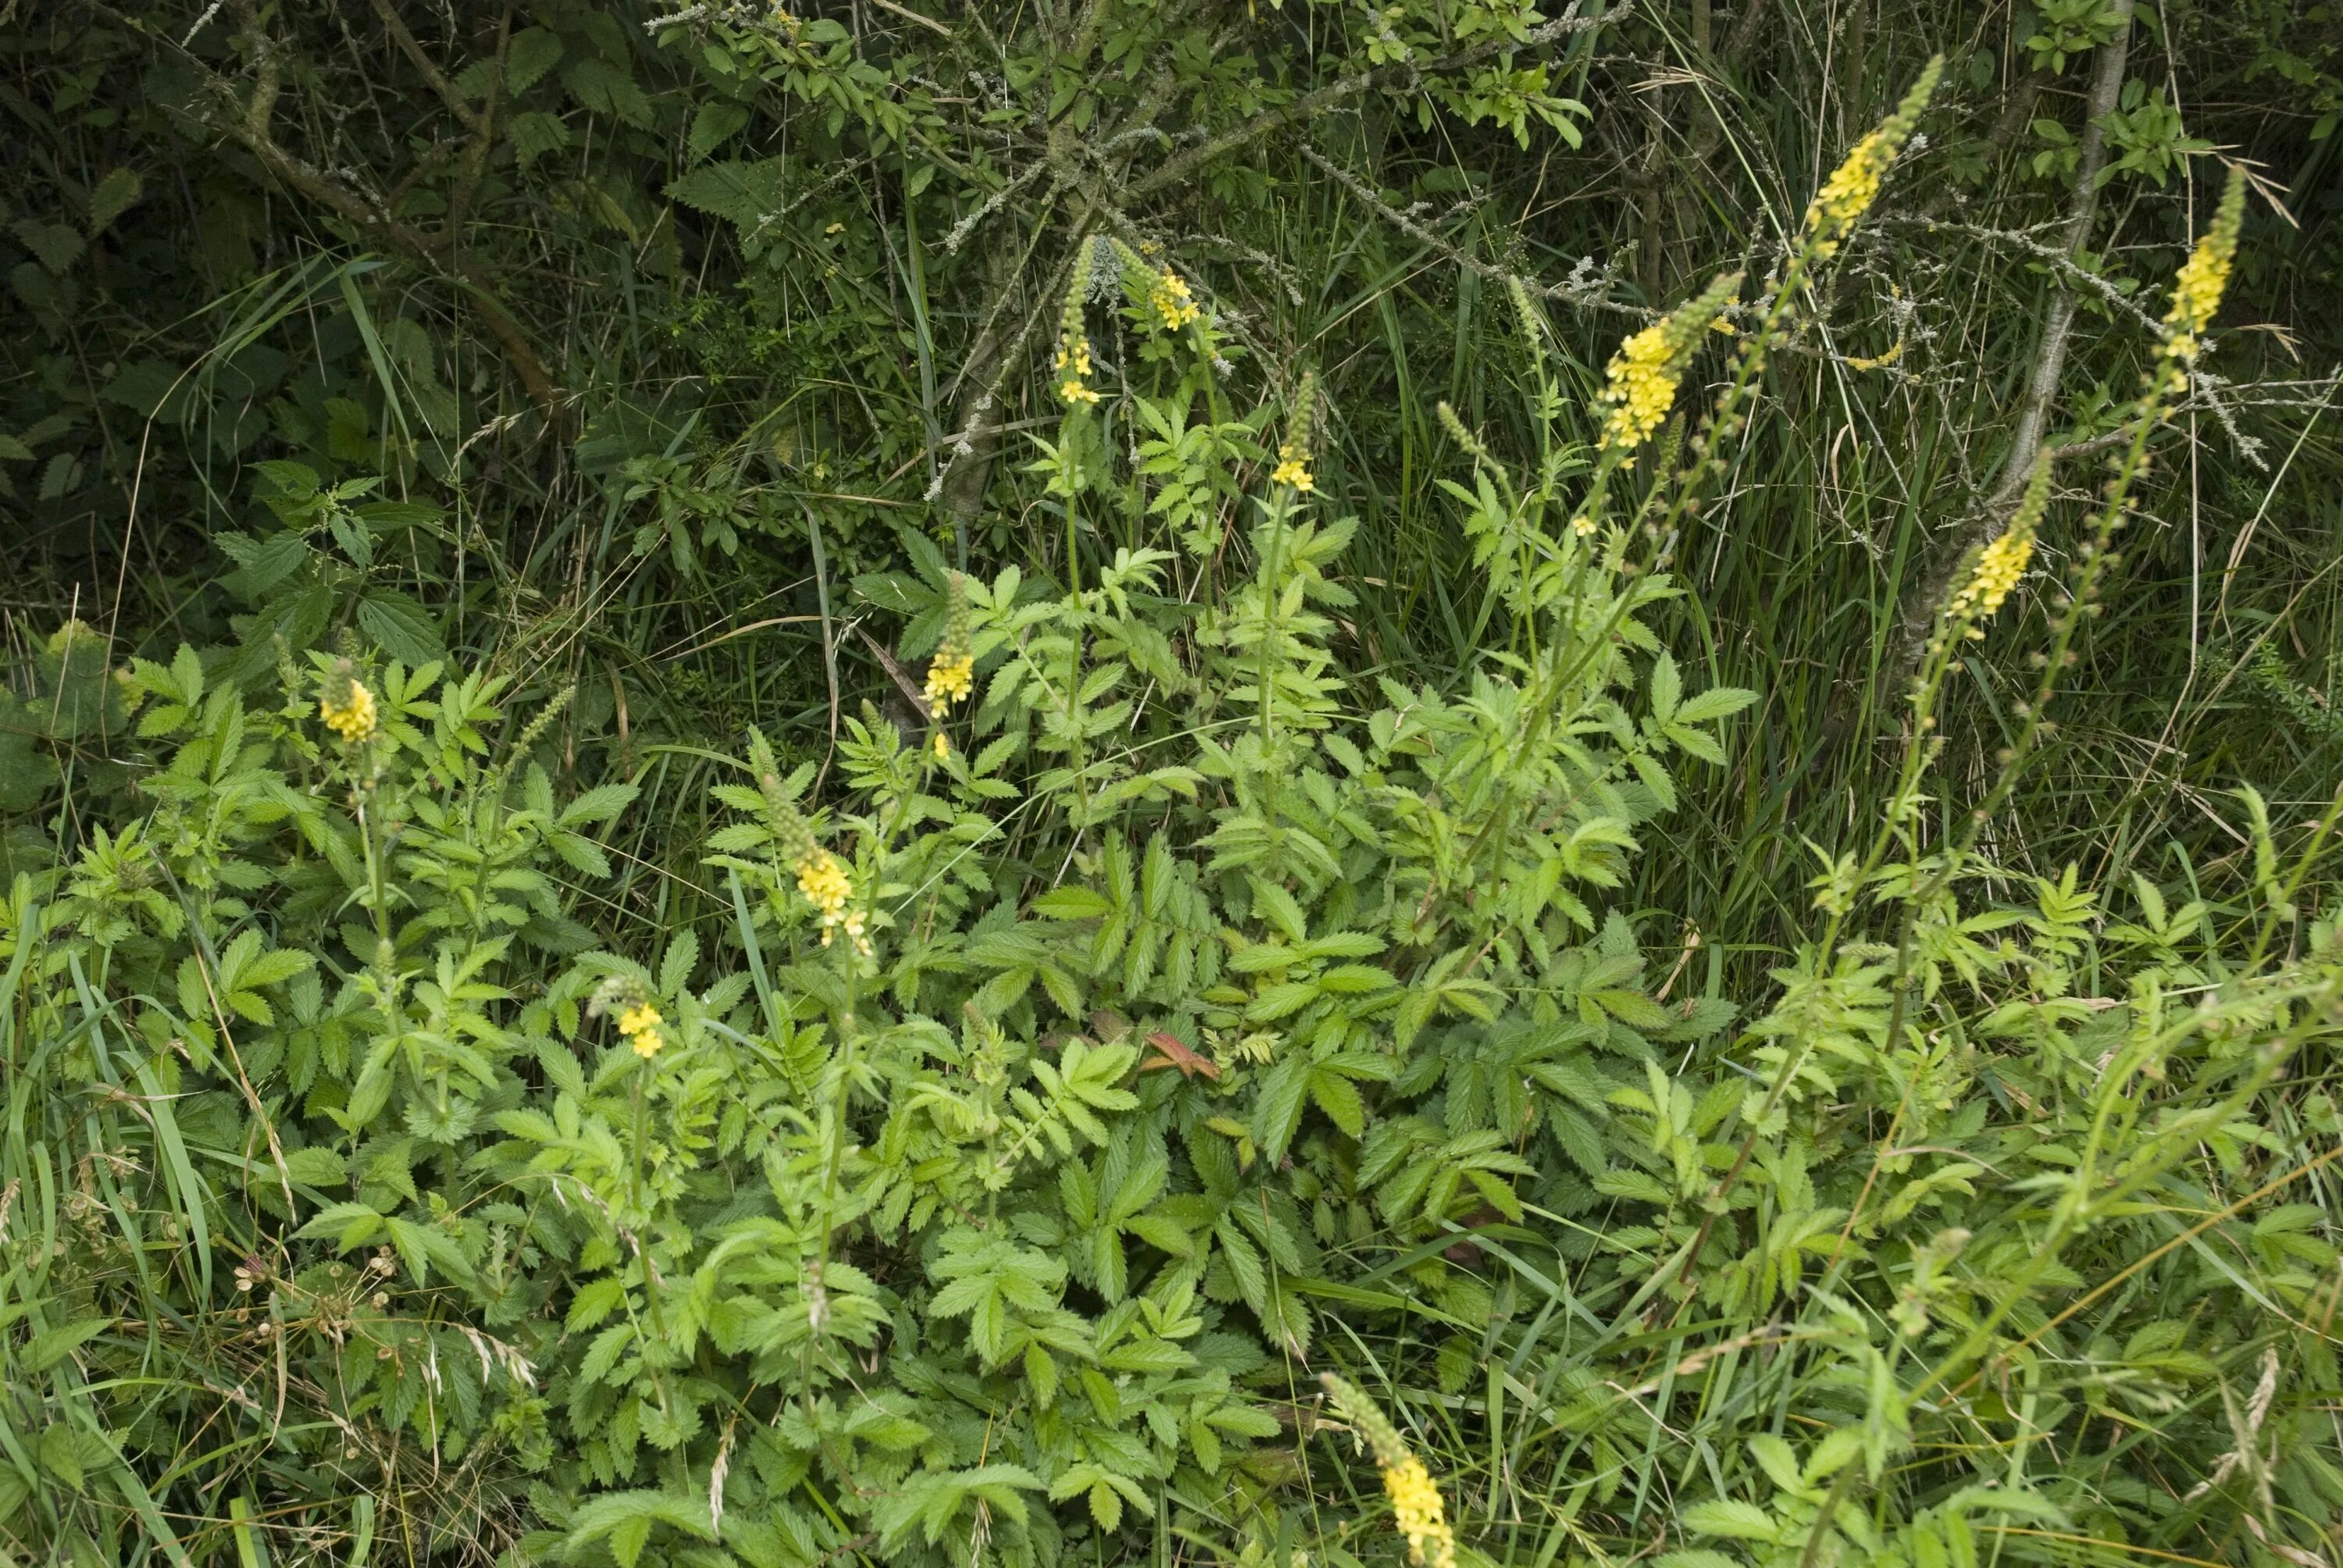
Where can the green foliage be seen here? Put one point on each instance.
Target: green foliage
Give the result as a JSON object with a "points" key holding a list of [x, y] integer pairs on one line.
{"points": [[1192, 1024], [653, 1081]]}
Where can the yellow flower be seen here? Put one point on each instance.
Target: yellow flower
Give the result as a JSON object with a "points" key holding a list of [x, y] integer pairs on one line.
{"points": [[1999, 569], [824, 883], [2003, 562], [639, 1022], [1646, 371], [1853, 186], [950, 679], [350, 713], [1849, 192], [1416, 1509], [1291, 470], [1643, 388], [951, 673], [943, 745], [2204, 277], [1170, 298], [1073, 339], [1416, 1506]]}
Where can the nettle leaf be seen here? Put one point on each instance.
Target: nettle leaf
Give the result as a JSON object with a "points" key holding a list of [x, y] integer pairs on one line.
{"points": [[351, 1225], [624, 1521], [1716, 702], [1339, 1097], [1666, 689], [1283, 1090], [1729, 1516]]}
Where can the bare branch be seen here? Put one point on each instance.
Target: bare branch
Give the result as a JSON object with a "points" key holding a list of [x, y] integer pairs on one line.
{"points": [[407, 45], [1185, 165], [1569, 293]]}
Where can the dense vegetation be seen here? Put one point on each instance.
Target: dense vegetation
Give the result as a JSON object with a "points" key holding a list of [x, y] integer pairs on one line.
{"points": [[1147, 780]]}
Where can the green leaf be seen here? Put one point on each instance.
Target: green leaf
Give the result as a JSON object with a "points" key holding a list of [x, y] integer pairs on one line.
{"points": [[1339, 1097], [1716, 702], [314, 1167], [399, 624], [1729, 1516], [743, 194], [1279, 1111], [716, 122], [625, 1520], [1667, 688], [115, 194], [350, 1224], [51, 1346], [1073, 903]]}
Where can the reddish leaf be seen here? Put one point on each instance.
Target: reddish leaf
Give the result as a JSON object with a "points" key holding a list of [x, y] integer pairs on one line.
{"points": [[1178, 1055]]}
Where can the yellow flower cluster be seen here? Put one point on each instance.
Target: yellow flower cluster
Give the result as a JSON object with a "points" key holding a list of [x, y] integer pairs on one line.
{"points": [[951, 673], [1073, 337], [1170, 298], [952, 678], [349, 713], [824, 883], [639, 1022], [1416, 1507], [1293, 453], [2004, 560], [1645, 373], [2204, 277], [1849, 192], [1642, 389], [1853, 186], [1074, 369], [1293, 468], [1998, 571]]}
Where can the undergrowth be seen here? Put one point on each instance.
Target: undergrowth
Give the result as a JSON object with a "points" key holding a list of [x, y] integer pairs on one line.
{"points": [[1139, 1023], [1268, 1005]]}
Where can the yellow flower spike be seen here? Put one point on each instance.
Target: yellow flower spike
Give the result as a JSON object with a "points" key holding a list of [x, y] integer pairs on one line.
{"points": [[951, 673], [346, 705], [1416, 1506], [1293, 453], [1642, 389], [2204, 277], [1291, 471], [1645, 373], [2003, 562], [1073, 337], [1853, 186], [825, 884], [950, 679]]}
